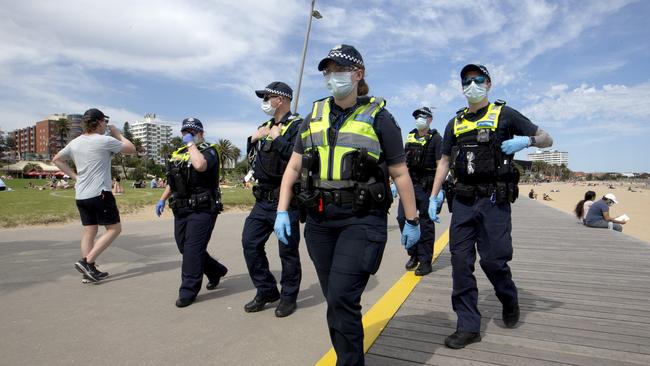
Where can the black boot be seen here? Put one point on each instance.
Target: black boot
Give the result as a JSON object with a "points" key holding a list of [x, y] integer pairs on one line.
{"points": [[461, 339], [424, 269], [215, 282], [259, 302], [285, 308], [510, 315], [412, 263]]}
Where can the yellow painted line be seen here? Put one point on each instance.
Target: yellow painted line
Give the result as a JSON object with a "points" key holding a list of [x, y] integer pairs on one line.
{"points": [[376, 319]]}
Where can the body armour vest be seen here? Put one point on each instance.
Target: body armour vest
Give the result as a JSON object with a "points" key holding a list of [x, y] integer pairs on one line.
{"points": [[417, 160], [477, 156], [347, 156], [268, 163], [184, 180]]}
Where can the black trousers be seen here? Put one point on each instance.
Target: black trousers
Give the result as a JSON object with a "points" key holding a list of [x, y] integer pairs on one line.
{"points": [[423, 249], [484, 226], [192, 232], [257, 229], [345, 253]]}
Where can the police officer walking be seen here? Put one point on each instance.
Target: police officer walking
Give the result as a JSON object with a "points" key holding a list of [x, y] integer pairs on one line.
{"points": [[348, 147], [269, 149], [195, 200], [423, 150], [479, 144]]}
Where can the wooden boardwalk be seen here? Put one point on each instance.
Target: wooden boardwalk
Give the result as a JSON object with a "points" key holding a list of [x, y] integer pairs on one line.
{"points": [[584, 295]]}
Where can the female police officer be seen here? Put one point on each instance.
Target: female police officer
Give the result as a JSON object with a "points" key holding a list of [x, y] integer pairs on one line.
{"points": [[193, 184], [348, 146], [480, 143]]}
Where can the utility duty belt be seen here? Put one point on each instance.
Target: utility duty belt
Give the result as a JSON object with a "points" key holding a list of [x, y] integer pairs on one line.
{"points": [[363, 198], [499, 192], [204, 200], [265, 194]]}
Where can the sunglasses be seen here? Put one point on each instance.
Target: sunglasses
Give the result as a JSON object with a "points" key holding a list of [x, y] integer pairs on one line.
{"points": [[479, 79]]}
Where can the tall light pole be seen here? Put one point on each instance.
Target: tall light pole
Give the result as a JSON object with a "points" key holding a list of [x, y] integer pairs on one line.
{"points": [[312, 14]]}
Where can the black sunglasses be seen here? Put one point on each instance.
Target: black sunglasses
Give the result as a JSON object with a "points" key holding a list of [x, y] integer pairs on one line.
{"points": [[479, 79]]}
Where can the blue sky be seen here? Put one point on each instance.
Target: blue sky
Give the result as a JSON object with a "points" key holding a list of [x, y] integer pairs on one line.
{"points": [[578, 69]]}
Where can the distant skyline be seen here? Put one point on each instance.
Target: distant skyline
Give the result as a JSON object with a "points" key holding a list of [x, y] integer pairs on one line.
{"points": [[577, 69]]}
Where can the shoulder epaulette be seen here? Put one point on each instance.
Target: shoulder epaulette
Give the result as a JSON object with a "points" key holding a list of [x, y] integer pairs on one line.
{"points": [[500, 102]]}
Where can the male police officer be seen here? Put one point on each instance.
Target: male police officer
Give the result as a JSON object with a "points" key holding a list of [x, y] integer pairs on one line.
{"points": [[193, 184], [423, 149], [480, 143], [269, 148]]}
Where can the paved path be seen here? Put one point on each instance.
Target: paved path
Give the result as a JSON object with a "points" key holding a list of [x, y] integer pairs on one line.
{"points": [[47, 316], [584, 296]]}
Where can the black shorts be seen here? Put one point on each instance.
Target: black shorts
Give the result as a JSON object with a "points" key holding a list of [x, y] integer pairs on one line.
{"points": [[100, 210]]}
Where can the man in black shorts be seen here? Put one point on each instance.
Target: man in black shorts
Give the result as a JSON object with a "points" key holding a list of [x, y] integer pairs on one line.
{"points": [[91, 153]]}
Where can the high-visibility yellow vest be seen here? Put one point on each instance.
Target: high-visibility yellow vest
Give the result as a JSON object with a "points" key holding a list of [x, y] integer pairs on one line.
{"points": [[490, 121]]}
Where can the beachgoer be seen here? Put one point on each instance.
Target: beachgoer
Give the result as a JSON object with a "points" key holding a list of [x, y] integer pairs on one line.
{"points": [[583, 205], [598, 214]]}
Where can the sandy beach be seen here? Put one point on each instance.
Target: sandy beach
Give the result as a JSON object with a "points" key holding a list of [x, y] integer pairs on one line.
{"points": [[633, 203]]}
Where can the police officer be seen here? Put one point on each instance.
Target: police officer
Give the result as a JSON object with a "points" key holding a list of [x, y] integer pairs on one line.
{"points": [[479, 144], [423, 149], [195, 200], [269, 149], [348, 147]]}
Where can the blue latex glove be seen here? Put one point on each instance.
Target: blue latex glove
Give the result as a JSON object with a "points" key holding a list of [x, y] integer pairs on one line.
{"points": [[434, 202], [393, 190], [515, 144], [188, 137], [410, 235], [282, 227], [160, 207]]}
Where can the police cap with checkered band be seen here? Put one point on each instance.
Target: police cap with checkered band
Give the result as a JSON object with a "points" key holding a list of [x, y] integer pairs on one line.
{"points": [[276, 88], [192, 124], [344, 55]]}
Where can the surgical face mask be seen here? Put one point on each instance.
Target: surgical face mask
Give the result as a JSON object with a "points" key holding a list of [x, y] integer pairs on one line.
{"points": [[421, 123], [475, 92], [339, 83], [267, 107]]}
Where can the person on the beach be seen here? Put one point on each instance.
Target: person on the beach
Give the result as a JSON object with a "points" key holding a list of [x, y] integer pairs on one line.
{"points": [[583, 205], [598, 214], [91, 153], [481, 141], [348, 146]]}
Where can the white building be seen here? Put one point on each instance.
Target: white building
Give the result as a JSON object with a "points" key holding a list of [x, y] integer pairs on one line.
{"points": [[153, 135], [553, 157]]}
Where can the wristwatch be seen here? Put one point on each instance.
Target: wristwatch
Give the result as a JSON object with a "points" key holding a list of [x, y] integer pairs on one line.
{"points": [[414, 222], [532, 141]]}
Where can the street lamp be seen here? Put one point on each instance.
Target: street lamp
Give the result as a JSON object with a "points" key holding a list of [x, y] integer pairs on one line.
{"points": [[312, 14]]}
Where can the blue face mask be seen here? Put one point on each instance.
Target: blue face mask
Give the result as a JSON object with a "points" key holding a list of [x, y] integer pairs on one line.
{"points": [[339, 83], [421, 123]]}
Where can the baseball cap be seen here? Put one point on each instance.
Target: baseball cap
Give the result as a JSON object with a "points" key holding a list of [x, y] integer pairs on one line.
{"points": [[277, 88], [344, 55], [192, 124], [610, 196], [94, 114], [474, 67], [424, 111]]}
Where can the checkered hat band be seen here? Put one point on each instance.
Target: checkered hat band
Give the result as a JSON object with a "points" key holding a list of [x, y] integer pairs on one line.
{"points": [[192, 126], [278, 92], [425, 112], [335, 54]]}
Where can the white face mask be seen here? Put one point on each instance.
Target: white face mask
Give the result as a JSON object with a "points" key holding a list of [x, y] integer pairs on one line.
{"points": [[475, 92], [421, 123], [339, 83], [267, 107]]}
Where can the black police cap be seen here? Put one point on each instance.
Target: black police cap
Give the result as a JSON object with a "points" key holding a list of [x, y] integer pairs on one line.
{"points": [[192, 124], [344, 55], [474, 67], [276, 88], [424, 111]]}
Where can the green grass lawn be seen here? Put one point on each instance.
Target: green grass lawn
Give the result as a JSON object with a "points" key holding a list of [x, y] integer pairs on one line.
{"points": [[25, 206]]}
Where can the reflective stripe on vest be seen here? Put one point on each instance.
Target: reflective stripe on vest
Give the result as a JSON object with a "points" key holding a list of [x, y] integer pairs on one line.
{"points": [[285, 127], [183, 155], [414, 138], [356, 133], [489, 121]]}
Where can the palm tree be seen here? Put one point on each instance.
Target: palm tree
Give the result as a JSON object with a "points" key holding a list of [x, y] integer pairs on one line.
{"points": [[228, 153], [62, 127]]}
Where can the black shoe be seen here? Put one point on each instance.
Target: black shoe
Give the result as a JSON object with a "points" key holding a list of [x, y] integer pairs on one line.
{"points": [[181, 303], [101, 274], [424, 269], [285, 308], [461, 339], [411, 264], [510, 315], [88, 270], [213, 284], [259, 302]]}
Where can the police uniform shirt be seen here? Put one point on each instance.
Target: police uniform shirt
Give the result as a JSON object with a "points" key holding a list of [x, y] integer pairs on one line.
{"points": [[208, 180], [388, 132], [282, 144], [434, 148], [511, 123]]}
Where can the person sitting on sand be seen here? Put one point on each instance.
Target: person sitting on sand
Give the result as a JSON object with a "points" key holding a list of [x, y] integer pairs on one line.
{"points": [[583, 205], [598, 214], [532, 195], [547, 197]]}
